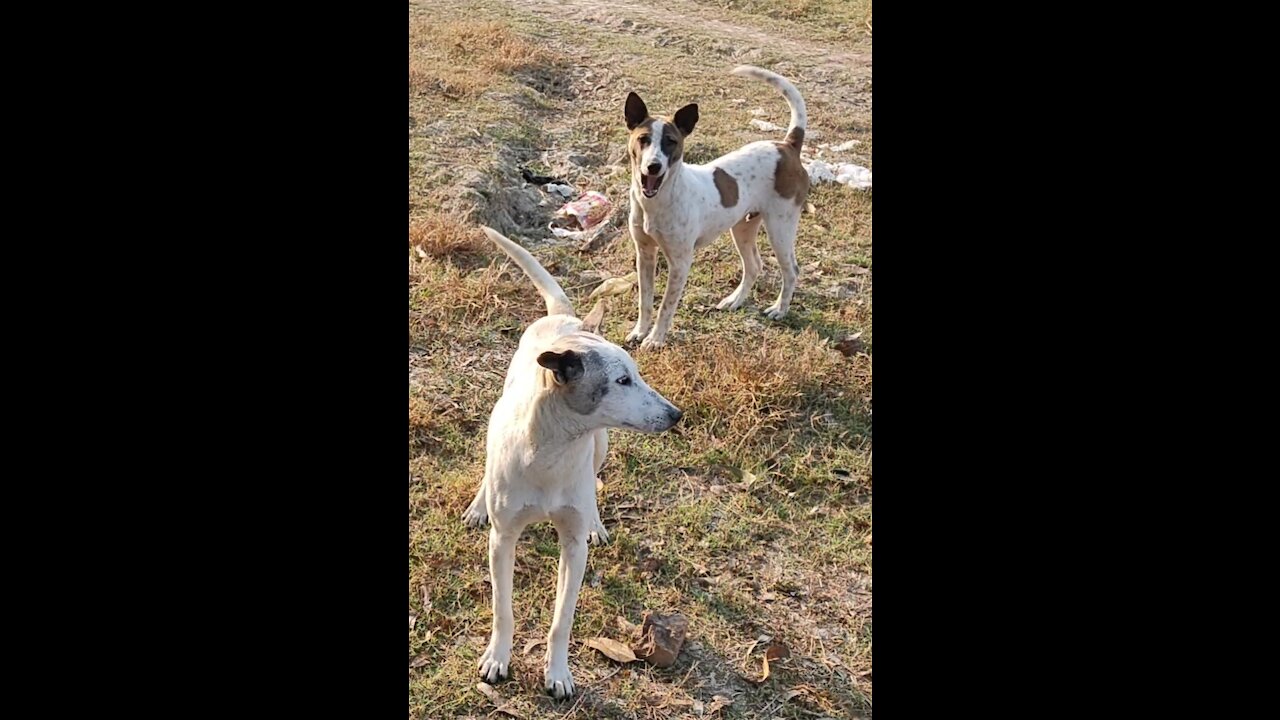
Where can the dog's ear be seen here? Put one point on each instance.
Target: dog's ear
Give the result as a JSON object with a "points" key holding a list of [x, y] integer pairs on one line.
{"points": [[592, 322], [636, 111], [567, 365], [686, 117]]}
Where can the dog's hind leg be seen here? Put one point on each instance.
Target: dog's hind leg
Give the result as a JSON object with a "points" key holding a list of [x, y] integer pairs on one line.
{"points": [[781, 227], [599, 536], [495, 663], [570, 526], [477, 514], [744, 236]]}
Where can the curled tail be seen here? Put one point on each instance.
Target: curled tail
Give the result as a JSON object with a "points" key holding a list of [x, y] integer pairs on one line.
{"points": [[557, 302], [799, 119]]}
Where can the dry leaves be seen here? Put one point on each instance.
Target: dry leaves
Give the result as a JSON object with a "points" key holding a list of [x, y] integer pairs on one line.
{"points": [[775, 652], [413, 620], [614, 286], [420, 660], [717, 702], [612, 649], [496, 699], [529, 646], [851, 345], [626, 626]]}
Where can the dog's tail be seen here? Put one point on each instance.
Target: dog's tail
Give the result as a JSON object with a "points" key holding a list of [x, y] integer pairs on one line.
{"points": [[799, 119], [557, 302]]}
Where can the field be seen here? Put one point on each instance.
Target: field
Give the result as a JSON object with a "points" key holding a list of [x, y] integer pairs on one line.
{"points": [[753, 518]]}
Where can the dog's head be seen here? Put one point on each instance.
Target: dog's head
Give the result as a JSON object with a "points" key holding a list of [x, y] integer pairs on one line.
{"points": [[656, 145], [599, 381]]}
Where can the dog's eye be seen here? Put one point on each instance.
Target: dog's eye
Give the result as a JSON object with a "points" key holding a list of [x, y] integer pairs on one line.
{"points": [[644, 140], [624, 380]]}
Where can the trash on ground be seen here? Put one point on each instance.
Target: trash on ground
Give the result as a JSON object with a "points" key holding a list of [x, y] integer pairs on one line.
{"points": [[589, 210], [765, 125], [855, 176], [533, 179], [559, 189]]}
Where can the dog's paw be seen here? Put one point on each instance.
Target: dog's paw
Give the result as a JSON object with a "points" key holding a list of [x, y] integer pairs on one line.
{"points": [[732, 301], [636, 333], [774, 312], [559, 684], [653, 342], [495, 664], [475, 517], [598, 536]]}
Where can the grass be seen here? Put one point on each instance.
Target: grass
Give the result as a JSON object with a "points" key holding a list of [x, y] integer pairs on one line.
{"points": [[754, 517]]}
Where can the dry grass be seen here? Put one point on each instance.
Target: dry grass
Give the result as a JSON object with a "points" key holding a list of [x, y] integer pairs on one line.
{"points": [[462, 59], [753, 517]]}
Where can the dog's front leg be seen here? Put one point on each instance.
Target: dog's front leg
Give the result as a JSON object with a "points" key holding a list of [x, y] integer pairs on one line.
{"points": [[646, 267], [678, 266], [495, 664], [571, 527]]}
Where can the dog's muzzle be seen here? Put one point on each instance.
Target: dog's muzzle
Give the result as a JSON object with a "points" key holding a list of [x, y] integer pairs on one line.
{"points": [[650, 183]]}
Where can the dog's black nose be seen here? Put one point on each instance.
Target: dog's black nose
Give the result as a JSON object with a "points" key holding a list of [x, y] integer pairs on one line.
{"points": [[675, 415], [654, 168]]}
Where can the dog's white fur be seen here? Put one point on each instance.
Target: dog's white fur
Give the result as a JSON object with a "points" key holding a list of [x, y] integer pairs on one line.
{"points": [[685, 213], [548, 435]]}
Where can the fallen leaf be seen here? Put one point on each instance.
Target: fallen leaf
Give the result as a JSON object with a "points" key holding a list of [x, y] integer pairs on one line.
{"points": [[508, 709], [868, 540], [420, 660], [749, 478], [614, 286], [718, 702], [599, 485], [613, 649], [421, 253], [860, 271], [489, 692], [775, 652], [626, 626], [812, 210], [651, 564], [851, 345], [413, 620], [698, 707], [790, 694], [533, 644]]}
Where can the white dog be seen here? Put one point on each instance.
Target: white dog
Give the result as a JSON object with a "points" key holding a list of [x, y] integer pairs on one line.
{"points": [[681, 208], [548, 435]]}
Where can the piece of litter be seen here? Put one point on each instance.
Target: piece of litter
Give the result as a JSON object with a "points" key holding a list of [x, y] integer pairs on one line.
{"points": [[758, 111], [564, 191], [765, 125], [855, 176], [589, 210]]}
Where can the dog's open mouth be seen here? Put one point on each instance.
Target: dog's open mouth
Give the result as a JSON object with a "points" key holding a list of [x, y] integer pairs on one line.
{"points": [[651, 183]]}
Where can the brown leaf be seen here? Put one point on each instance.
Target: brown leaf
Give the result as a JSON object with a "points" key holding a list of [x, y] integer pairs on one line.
{"points": [[790, 694], [851, 345], [776, 651], [420, 660], [533, 644], [509, 709], [718, 702], [651, 564], [613, 649]]}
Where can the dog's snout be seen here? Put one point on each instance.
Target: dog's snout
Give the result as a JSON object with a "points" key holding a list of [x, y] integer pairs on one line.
{"points": [[654, 168], [674, 414]]}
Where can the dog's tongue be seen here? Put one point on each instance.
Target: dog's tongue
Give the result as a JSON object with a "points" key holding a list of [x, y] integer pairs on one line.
{"points": [[650, 182]]}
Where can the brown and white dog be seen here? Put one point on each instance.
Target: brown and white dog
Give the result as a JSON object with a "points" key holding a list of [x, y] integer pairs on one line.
{"points": [[680, 207]]}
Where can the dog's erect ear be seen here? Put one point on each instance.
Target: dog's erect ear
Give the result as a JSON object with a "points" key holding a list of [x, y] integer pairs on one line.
{"points": [[594, 319], [567, 365], [636, 111], [686, 117]]}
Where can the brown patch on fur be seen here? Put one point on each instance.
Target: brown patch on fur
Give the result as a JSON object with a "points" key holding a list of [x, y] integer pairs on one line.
{"points": [[633, 142], [727, 186], [789, 179], [795, 138]]}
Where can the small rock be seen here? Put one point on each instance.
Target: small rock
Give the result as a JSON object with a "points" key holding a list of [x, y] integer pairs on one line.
{"points": [[579, 160], [661, 637]]}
